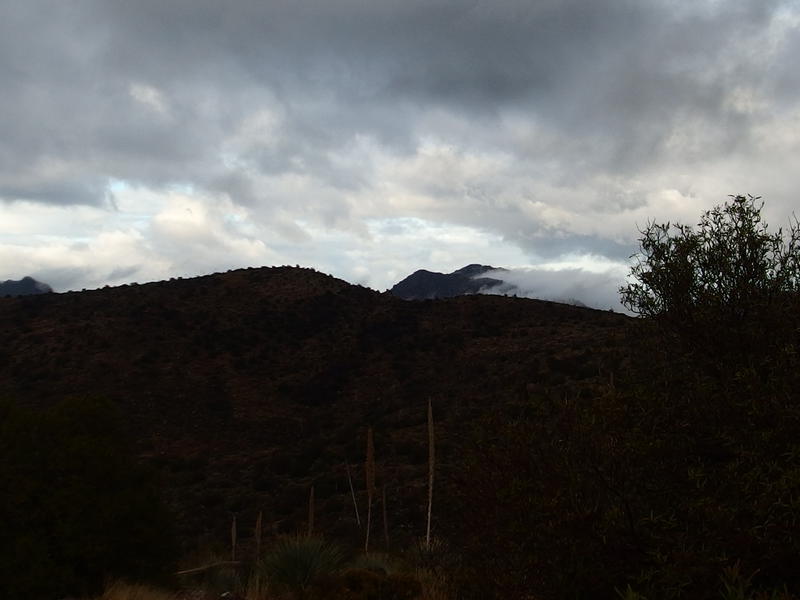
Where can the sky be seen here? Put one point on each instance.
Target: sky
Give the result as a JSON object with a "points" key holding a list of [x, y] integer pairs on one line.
{"points": [[161, 138]]}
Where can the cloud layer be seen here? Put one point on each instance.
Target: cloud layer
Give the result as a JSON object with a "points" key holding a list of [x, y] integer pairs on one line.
{"points": [[147, 139]]}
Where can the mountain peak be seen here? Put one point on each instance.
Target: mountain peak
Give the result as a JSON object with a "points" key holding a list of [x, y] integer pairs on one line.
{"points": [[429, 285], [26, 286]]}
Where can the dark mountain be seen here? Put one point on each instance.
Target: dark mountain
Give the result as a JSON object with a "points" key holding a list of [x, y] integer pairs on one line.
{"points": [[245, 388], [26, 286], [429, 285]]}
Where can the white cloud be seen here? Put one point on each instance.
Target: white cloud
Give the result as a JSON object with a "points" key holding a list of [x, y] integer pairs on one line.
{"points": [[150, 97], [595, 288]]}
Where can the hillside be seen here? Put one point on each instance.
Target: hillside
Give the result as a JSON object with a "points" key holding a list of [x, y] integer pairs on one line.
{"points": [[245, 388]]}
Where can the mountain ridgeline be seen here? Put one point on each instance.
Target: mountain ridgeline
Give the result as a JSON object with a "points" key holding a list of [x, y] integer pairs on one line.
{"points": [[429, 285]]}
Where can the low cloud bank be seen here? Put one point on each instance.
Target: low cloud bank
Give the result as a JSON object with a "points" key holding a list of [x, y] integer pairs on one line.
{"points": [[571, 285]]}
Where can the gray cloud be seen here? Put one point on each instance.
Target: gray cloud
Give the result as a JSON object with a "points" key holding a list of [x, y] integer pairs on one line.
{"points": [[596, 290], [554, 125]]}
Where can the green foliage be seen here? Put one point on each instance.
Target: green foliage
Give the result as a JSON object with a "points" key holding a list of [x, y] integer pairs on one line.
{"points": [[630, 594], [309, 568], [720, 285], [293, 564], [75, 506], [730, 264]]}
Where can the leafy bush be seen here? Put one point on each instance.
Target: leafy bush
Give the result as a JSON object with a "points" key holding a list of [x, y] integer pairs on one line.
{"points": [[76, 508], [730, 263], [720, 285]]}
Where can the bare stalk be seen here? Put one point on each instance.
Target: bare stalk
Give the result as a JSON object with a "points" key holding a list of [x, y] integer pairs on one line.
{"points": [[431, 464], [352, 492], [258, 537], [311, 512], [370, 473], [233, 539], [385, 520]]}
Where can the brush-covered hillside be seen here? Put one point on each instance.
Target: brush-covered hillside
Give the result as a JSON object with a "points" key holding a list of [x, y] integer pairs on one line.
{"points": [[246, 388], [575, 453]]}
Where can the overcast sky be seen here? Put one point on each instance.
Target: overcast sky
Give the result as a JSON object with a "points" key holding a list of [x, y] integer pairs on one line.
{"points": [[146, 139]]}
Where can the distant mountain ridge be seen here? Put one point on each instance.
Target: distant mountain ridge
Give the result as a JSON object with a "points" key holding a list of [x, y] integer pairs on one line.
{"points": [[430, 285], [26, 286]]}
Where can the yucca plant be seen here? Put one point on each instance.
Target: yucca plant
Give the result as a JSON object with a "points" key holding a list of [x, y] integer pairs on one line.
{"points": [[293, 564], [629, 594]]}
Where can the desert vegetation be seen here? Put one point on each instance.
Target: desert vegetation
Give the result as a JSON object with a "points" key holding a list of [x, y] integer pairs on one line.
{"points": [[576, 453]]}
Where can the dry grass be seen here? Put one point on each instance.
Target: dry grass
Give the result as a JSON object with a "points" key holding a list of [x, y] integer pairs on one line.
{"points": [[435, 585], [135, 591]]}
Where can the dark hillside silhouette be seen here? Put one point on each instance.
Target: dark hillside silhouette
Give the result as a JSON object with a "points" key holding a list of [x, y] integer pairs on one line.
{"points": [[244, 388]]}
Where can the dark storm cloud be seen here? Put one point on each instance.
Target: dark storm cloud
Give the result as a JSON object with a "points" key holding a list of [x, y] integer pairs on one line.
{"points": [[169, 92]]}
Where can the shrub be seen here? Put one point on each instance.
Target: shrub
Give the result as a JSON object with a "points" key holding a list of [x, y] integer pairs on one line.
{"points": [[730, 263], [295, 563], [719, 285]]}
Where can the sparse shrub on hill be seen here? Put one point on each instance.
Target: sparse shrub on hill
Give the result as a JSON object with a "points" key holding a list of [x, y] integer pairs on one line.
{"points": [[75, 507]]}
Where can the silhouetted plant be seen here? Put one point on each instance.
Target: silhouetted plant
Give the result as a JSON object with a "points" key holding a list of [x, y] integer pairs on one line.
{"points": [[293, 564], [720, 284]]}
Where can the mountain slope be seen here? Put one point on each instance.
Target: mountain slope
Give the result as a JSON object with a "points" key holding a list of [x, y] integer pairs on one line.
{"points": [[428, 285], [247, 387], [24, 287]]}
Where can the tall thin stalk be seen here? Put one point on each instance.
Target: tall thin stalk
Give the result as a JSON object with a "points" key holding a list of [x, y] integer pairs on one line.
{"points": [[258, 537], [254, 585], [352, 492], [370, 476], [431, 464], [311, 512], [233, 539], [385, 519]]}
